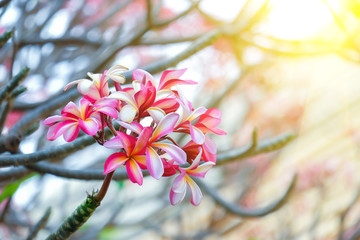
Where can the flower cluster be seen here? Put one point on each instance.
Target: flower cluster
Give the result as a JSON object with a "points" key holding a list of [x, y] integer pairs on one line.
{"points": [[149, 114]]}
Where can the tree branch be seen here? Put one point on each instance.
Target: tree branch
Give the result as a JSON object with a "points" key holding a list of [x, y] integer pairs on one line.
{"points": [[243, 212]]}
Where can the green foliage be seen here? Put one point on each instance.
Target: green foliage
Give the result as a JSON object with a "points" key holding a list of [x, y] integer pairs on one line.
{"points": [[5, 37], [10, 189]]}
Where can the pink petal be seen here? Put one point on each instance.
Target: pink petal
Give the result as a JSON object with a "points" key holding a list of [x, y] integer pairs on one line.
{"points": [[71, 110], [173, 82], [134, 126], [175, 197], [142, 76], [142, 141], [93, 94], [196, 194], [108, 111], [170, 78], [84, 107], [206, 129], [134, 172], [128, 142], [165, 126], [167, 104], [114, 161], [145, 98], [179, 184], [174, 151], [53, 132], [196, 113], [53, 119], [154, 163], [171, 74], [89, 126], [201, 170], [71, 132], [210, 145], [114, 143], [197, 135], [58, 129]]}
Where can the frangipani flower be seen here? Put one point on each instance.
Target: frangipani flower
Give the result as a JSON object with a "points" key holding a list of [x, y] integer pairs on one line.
{"points": [[208, 120], [98, 87], [72, 119], [154, 162], [178, 189], [133, 157]]}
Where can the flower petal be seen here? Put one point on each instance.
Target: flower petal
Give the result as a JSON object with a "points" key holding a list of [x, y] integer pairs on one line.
{"points": [[142, 141], [124, 96], [176, 197], [142, 76], [127, 113], [114, 161], [89, 126], [196, 194], [154, 163], [210, 145], [197, 135], [71, 110], [201, 170], [114, 143], [196, 113], [134, 126], [140, 160], [128, 142], [134, 172], [156, 113], [71, 132], [170, 78], [165, 126], [84, 86], [53, 119], [174, 151], [179, 184]]}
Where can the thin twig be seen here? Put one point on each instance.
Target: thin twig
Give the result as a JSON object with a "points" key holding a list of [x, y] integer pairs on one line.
{"points": [[14, 82], [39, 225], [244, 212]]}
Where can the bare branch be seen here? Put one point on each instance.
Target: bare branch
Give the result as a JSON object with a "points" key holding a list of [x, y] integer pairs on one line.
{"points": [[263, 147], [55, 152], [7, 90], [39, 225], [243, 212]]}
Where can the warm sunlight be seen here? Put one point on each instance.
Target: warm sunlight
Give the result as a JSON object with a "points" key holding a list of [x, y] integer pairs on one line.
{"points": [[297, 19]]}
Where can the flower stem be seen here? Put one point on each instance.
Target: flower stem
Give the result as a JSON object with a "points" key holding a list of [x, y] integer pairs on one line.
{"points": [[81, 213]]}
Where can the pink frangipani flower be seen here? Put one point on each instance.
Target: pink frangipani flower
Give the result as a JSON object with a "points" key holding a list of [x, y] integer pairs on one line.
{"points": [[154, 162], [178, 189], [72, 119], [133, 157]]}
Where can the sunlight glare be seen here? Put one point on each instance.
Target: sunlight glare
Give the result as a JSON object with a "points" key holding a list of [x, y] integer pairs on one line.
{"points": [[297, 19]]}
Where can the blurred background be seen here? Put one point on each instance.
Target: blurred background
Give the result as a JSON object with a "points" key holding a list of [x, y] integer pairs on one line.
{"points": [[283, 67]]}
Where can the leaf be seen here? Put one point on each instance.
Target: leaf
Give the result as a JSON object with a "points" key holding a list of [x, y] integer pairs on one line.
{"points": [[10, 189]]}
